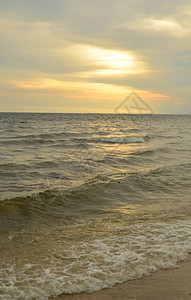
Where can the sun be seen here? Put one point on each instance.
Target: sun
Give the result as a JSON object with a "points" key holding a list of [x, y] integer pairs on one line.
{"points": [[109, 61], [118, 61]]}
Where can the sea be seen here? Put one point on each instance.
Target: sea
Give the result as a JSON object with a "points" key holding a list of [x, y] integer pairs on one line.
{"points": [[91, 200]]}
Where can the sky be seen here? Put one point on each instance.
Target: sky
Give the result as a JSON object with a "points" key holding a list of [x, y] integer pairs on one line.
{"points": [[87, 56]]}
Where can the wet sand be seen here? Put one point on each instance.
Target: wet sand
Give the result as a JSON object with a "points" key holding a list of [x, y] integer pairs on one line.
{"points": [[172, 284]]}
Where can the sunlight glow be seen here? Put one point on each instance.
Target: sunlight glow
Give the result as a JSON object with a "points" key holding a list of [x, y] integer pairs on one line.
{"points": [[110, 62], [72, 89], [163, 24], [170, 26], [82, 90]]}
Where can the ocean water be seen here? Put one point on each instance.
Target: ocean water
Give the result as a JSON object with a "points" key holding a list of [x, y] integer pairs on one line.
{"points": [[91, 200]]}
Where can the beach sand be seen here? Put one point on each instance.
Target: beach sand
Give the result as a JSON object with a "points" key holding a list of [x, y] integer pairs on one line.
{"points": [[174, 284]]}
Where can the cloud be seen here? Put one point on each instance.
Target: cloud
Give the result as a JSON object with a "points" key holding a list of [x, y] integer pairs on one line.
{"points": [[164, 26], [143, 45]]}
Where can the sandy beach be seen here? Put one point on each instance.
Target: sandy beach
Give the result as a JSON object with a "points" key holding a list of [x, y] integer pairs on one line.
{"points": [[172, 284]]}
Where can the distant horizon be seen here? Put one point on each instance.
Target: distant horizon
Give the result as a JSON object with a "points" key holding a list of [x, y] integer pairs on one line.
{"points": [[95, 113]]}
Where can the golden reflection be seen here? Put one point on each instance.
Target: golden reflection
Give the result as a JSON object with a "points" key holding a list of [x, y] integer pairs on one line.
{"points": [[129, 209]]}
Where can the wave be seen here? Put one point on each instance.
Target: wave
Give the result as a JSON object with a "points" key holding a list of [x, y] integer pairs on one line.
{"points": [[91, 256], [27, 141], [131, 130], [98, 195], [7, 165], [31, 139], [45, 135], [115, 140], [63, 137], [14, 165], [149, 151]]}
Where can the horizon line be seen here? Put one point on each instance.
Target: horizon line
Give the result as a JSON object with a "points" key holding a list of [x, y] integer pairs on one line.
{"points": [[104, 113]]}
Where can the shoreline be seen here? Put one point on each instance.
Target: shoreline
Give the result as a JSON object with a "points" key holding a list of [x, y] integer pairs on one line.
{"points": [[168, 284]]}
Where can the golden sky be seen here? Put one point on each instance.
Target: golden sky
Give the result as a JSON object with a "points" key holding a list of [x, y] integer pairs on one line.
{"points": [[87, 56]]}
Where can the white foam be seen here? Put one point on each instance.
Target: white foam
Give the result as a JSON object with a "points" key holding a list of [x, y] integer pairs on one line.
{"points": [[129, 252]]}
